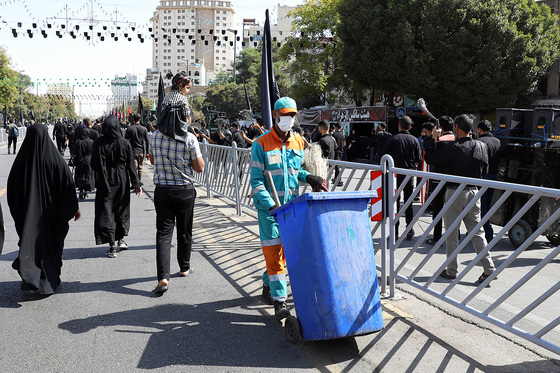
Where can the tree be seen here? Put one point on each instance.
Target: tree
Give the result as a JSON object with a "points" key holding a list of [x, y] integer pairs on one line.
{"points": [[315, 52], [8, 88], [460, 55], [226, 96]]}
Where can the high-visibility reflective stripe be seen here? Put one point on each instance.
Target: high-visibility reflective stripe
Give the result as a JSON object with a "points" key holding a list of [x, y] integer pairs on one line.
{"points": [[278, 277], [255, 164], [273, 242], [259, 188], [280, 172]]}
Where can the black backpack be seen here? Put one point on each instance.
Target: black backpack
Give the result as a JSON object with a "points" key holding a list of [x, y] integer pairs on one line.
{"points": [[170, 123]]}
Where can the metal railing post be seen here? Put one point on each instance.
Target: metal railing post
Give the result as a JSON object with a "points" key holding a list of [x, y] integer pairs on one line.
{"points": [[206, 164], [388, 165], [236, 178]]}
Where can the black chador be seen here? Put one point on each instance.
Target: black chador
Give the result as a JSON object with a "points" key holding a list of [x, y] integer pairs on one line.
{"points": [[84, 175], [42, 199], [113, 163]]}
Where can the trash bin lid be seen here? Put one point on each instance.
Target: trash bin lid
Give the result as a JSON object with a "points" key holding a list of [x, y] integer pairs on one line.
{"points": [[322, 196]]}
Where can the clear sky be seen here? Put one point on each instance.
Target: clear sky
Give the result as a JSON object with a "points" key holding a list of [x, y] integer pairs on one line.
{"points": [[54, 59]]}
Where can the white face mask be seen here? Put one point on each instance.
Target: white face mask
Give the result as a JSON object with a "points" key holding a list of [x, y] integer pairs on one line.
{"points": [[285, 123]]}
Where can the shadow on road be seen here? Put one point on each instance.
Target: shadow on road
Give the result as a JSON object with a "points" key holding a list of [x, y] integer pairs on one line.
{"points": [[207, 334]]}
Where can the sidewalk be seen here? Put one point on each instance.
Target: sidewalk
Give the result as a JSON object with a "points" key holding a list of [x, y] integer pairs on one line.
{"points": [[106, 317]]}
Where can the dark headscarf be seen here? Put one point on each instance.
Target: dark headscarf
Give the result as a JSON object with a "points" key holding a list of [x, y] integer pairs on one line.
{"points": [[111, 129], [110, 151], [42, 199]]}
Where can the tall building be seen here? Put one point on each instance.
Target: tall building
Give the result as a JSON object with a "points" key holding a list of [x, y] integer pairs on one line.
{"points": [[195, 36], [65, 90], [151, 83], [279, 30], [124, 88]]}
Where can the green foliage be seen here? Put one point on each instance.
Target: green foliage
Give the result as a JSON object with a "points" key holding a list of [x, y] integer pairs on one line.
{"points": [[315, 53], [229, 96], [8, 92], [460, 55]]}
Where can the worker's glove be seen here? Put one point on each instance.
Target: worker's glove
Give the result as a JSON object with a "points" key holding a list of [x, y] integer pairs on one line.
{"points": [[317, 183]]}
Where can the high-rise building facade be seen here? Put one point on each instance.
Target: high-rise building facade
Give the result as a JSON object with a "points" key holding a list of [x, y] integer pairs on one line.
{"points": [[65, 90], [195, 36], [279, 30], [124, 88]]}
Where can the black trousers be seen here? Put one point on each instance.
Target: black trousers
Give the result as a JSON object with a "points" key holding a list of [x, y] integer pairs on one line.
{"points": [[173, 206], [408, 188], [338, 157], [12, 140], [61, 144], [437, 205]]}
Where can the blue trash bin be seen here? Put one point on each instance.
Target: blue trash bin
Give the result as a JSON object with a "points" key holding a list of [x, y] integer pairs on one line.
{"points": [[331, 263]]}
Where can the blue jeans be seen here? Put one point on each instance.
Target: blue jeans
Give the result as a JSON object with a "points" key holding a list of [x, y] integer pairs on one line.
{"points": [[485, 203]]}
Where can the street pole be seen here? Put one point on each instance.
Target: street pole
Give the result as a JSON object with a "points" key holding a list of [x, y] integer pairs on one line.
{"points": [[234, 52]]}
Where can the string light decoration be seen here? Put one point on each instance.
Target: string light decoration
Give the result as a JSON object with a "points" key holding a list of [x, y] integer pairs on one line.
{"points": [[94, 24]]}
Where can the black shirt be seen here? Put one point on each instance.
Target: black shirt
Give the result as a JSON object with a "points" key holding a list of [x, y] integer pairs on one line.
{"points": [[459, 157], [328, 146], [494, 146], [239, 140], [339, 138], [381, 137], [59, 130], [138, 138], [405, 150]]}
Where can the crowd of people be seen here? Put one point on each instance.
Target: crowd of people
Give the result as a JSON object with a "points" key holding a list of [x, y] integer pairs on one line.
{"points": [[108, 157]]}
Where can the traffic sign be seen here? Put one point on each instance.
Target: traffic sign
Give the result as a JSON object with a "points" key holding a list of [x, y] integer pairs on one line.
{"points": [[401, 112]]}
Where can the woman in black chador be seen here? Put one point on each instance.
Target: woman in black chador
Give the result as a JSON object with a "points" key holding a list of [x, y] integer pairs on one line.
{"points": [[84, 176], [42, 199], [113, 163]]}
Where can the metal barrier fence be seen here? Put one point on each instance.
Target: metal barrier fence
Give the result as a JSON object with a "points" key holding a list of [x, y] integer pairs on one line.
{"points": [[524, 300], [4, 135]]}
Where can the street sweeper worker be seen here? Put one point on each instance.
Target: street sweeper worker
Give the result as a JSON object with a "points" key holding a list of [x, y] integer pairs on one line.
{"points": [[280, 152]]}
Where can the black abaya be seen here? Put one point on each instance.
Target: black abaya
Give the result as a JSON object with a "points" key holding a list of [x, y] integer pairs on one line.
{"points": [[1, 230], [84, 176], [42, 199], [113, 163]]}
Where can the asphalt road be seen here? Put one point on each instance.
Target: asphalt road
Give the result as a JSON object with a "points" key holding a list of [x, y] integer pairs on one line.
{"points": [[106, 317]]}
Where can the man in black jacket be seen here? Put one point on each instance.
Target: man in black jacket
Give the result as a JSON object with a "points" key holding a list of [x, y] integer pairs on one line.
{"points": [[467, 158], [326, 141], [59, 133], [137, 135], [405, 150], [494, 146], [339, 138], [237, 136]]}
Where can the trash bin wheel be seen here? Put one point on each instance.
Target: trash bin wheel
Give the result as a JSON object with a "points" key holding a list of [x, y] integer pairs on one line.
{"points": [[553, 239], [292, 329], [519, 233]]}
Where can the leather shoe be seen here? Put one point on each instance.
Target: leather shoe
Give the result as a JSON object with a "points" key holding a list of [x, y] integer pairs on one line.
{"points": [[446, 275], [161, 289], [410, 235]]}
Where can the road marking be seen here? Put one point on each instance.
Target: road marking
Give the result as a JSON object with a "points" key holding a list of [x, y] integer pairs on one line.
{"points": [[3, 191]]}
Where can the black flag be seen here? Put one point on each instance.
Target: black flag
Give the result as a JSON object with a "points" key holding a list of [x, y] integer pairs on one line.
{"points": [[140, 108], [160, 93], [269, 88], [21, 116]]}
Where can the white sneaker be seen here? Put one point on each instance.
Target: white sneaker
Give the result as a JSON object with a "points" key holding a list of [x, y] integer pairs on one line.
{"points": [[122, 245]]}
